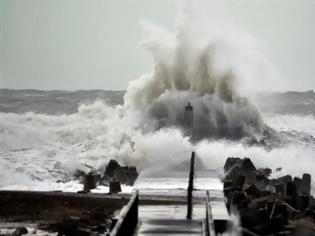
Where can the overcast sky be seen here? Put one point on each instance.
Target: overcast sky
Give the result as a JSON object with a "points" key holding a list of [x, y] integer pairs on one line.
{"points": [[93, 44]]}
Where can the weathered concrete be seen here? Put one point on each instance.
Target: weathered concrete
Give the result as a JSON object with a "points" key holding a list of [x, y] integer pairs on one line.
{"points": [[268, 206], [24, 205], [170, 220], [123, 174]]}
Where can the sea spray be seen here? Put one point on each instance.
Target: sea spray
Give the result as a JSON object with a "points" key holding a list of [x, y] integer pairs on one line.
{"points": [[234, 226], [58, 145], [200, 65]]}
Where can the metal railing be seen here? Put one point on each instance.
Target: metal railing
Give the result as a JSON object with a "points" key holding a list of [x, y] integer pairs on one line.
{"points": [[128, 218], [209, 220]]}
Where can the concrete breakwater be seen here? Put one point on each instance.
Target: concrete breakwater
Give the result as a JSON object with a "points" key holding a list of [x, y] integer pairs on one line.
{"points": [[269, 206]]}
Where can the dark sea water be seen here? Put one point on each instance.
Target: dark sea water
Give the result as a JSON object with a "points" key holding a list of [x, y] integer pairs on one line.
{"points": [[55, 101], [67, 102]]}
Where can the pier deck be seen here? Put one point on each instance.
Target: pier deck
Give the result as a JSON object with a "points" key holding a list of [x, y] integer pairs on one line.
{"points": [[170, 220], [161, 219], [171, 227]]}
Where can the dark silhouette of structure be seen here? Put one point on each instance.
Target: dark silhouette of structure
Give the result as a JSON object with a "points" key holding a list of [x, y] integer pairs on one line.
{"points": [[189, 120], [190, 187]]}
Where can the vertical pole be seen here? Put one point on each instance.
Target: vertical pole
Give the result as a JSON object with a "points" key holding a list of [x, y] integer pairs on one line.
{"points": [[190, 187]]}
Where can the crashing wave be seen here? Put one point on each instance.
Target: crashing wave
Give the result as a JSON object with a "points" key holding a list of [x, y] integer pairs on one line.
{"points": [[192, 65]]}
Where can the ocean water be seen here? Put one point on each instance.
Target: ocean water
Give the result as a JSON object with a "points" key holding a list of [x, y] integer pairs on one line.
{"points": [[44, 141]]}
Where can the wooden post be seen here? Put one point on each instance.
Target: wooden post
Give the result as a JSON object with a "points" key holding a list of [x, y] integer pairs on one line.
{"points": [[190, 187], [89, 182]]}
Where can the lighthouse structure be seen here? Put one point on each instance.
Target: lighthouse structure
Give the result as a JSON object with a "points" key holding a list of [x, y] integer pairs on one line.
{"points": [[189, 121]]}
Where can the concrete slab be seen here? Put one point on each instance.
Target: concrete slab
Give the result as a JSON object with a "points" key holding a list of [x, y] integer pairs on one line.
{"points": [[170, 220], [170, 227]]}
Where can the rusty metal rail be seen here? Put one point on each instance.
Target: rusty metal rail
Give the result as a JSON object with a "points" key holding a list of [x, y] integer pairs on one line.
{"points": [[209, 219], [128, 218]]}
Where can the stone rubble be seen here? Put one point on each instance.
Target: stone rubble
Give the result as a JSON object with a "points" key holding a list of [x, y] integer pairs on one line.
{"points": [[282, 206], [114, 176]]}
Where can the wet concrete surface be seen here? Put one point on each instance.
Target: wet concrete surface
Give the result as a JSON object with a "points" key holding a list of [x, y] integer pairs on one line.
{"points": [[170, 220]]}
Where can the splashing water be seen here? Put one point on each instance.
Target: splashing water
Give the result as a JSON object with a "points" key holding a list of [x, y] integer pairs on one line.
{"points": [[197, 64]]}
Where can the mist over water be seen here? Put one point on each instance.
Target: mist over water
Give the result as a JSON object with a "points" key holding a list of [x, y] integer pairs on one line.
{"points": [[203, 60]]}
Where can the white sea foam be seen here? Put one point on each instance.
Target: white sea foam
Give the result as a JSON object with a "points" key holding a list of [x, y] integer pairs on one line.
{"points": [[291, 122], [77, 141]]}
